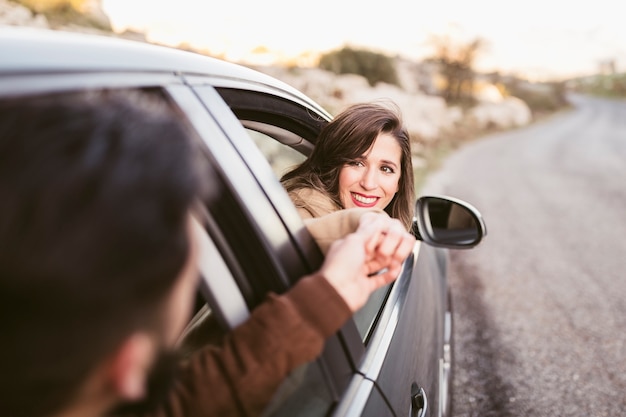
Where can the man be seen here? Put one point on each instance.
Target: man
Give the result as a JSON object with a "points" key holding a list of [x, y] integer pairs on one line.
{"points": [[98, 253]]}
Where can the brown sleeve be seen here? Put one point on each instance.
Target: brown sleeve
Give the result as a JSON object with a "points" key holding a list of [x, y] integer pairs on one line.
{"points": [[240, 377], [330, 227]]}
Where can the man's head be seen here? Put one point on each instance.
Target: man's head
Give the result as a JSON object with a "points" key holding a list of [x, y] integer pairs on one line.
{"points": [[95, 248]]}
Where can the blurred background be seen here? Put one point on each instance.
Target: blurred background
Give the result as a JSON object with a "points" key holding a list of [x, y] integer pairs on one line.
{"points": [[457, 69]]}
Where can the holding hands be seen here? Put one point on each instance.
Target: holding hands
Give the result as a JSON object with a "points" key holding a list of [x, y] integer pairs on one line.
{"points": [[367, 259]]}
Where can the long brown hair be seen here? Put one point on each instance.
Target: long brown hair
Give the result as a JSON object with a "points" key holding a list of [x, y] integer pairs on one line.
{"points": [[347, 137]]}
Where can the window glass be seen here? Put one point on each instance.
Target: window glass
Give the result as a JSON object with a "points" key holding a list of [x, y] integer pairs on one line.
{"points": [[365, 318], [281, 157], [202, 330], [304, 393]]}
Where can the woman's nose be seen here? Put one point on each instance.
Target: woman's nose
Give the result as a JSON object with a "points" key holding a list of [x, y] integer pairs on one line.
{"points": [[369, 180]]}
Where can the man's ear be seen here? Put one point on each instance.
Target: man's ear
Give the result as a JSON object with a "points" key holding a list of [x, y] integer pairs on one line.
{"points": [[130, 366]]}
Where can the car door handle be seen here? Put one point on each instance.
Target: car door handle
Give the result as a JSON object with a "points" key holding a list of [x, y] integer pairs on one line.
{"points": [[419, 402]]}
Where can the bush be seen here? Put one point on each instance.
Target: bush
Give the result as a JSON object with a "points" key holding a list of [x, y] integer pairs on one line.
{"points": [[373, 66], [541, 98], [612, 85]]}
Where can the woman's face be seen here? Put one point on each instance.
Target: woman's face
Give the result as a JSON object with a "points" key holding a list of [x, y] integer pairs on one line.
{"points": [[372, 180]]}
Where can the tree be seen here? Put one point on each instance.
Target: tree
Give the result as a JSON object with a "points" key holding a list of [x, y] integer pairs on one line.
{"points": [[371, 65], [456, 61]]}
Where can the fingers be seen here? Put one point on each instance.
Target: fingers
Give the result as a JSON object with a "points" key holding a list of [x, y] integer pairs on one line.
{"points": [[390, 242], [393, 243], [404, 247], [379, 227], [385, 278], [380, 244], [345, 257]]}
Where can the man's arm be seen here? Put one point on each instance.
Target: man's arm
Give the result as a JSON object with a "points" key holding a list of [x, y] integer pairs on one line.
{"points": [[240, 377]]}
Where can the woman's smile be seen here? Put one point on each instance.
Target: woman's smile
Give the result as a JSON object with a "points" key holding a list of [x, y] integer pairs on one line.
{"points": [[364, 201], [371, 181]]}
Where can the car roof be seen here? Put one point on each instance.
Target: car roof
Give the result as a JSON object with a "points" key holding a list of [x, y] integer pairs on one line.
{"points": [[40, 51]]}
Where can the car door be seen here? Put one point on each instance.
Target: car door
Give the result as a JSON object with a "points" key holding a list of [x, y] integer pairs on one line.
{"points": [[395, 341], [253, 226], [375, 335], [403, 356]]}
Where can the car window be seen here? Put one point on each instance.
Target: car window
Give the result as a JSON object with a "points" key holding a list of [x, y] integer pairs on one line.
{"points": [[270, 137], [251, 242], [365, 318], [304, 393], [281, 157], [282, 149]]}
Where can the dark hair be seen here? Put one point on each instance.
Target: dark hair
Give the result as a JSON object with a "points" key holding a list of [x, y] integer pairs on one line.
{"points": [[347, 137], [95, 189]]}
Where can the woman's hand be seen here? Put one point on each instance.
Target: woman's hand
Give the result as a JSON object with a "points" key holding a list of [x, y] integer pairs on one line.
{"points": [[367, 259]]}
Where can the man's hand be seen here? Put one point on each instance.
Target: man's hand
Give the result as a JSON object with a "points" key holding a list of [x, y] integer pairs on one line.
{"points": [[367, 259]]}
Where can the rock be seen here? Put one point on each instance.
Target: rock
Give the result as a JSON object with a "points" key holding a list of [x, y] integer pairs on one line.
{"points": [[93, 9], [13, 14], [425, 116], [508, 113]]}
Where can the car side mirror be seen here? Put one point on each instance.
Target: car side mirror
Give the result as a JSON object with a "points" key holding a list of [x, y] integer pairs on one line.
{"points": [[447, 222]]}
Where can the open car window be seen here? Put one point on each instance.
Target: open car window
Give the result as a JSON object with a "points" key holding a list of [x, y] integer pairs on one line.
{"points": [[284, 143], [281, 157]]}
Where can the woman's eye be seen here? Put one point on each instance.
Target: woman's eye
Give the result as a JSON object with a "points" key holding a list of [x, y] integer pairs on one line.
{"points": [[387, 170], [355, 163]]}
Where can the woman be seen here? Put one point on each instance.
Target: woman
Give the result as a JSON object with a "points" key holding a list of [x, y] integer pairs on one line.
{"points": [[362, 158]]}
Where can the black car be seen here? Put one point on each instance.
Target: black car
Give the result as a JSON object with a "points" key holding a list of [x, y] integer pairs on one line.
{"points": [[394, 357]]}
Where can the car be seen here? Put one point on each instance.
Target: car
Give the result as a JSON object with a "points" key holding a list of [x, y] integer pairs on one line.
{"points": [[394, 357]]}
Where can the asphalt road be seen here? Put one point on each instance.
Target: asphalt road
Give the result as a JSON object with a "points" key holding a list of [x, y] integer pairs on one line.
{"points": [[540, 304]]}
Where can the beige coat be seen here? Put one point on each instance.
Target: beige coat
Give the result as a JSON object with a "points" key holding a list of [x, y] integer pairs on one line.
{"points": [[312, 203], [325, 220]]}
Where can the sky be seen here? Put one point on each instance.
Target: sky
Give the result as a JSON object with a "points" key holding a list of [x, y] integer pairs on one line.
{"points": [[537, 39]]}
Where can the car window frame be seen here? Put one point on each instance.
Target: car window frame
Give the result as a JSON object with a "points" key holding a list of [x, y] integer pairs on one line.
{"points": [[334, 363], [365, 358], [262, 111]]}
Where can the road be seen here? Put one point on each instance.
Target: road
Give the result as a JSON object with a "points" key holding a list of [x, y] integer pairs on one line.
{"points": [[540, 304]]}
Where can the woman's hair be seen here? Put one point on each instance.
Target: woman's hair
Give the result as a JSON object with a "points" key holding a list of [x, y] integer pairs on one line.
{"points": [[348, 137]]}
